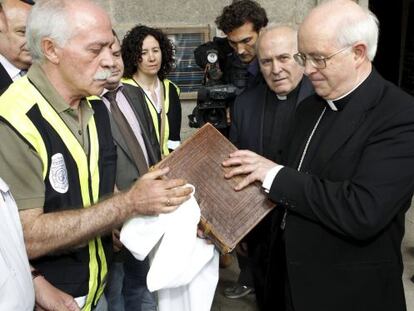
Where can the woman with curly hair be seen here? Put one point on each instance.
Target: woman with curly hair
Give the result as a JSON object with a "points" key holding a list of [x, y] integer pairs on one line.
{"points": [[148, 57]]}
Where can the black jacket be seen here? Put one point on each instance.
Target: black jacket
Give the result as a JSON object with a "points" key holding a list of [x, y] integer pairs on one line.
{"points": [[246, 130], [5, 79], [345, 220]]}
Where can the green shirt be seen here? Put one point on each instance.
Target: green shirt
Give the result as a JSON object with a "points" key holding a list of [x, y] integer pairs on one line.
{"points": [[21, 167]]}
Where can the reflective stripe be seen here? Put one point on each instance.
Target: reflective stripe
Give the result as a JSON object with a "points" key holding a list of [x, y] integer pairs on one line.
{"points": [[15, 114], [14, 110], [93, 281], [94, 158], [104, 271]]}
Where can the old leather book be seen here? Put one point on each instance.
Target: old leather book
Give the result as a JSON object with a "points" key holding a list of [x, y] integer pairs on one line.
{"points": [[226, 215]]}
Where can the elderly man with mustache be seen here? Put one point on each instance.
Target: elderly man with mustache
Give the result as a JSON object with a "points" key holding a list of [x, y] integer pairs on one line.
{"points": [[58, 155]]}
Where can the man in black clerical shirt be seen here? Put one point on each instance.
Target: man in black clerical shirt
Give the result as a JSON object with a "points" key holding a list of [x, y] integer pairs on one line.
{"points": [[262, 118], [263, 115], [349, 177], [241, 22]]}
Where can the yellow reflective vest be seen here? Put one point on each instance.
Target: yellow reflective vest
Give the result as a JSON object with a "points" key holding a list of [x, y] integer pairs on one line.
{"points": [[72, 180]]}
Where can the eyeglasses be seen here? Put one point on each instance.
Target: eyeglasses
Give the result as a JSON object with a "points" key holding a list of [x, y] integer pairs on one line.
{"points": [[318, 62]]}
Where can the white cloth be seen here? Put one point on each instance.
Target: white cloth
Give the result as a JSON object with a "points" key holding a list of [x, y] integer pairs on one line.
{"points": [[184, 269], [16, 286]]}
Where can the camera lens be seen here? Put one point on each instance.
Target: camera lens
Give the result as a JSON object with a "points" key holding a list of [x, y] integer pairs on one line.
{"points": [[215, 116]]}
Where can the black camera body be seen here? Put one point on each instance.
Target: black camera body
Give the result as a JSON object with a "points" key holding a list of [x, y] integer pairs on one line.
{"points": [[224, 78], [212, 104]]}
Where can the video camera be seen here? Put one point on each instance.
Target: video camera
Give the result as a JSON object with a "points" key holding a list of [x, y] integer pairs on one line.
{"points": [[220, 87], [212, 103]]}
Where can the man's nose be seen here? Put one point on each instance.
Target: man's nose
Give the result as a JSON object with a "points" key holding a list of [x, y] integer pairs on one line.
{"points": [[107, 60], [309, 68], [276, 68], [240, 49]]}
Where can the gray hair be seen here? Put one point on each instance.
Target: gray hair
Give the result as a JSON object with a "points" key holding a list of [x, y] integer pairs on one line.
{"points": [[48, 18], [363, 28], [273, 26]]}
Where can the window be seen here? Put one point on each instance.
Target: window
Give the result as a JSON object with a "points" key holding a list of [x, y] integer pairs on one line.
{"points": [[187, 75]]}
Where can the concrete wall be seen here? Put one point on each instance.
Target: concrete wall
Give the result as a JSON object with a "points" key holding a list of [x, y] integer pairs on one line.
{"points": [[127, 13]]}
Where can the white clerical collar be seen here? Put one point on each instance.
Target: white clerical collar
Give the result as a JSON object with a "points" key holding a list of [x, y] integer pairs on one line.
{"points": [[281, 97], [12, 70], [331, 103]]}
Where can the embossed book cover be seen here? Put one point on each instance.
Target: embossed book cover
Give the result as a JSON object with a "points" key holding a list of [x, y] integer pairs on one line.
{"points": [[226, 215]]}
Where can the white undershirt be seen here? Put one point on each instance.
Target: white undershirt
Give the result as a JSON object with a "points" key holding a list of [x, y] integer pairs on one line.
{"points": [[12, 70], [156, 102]]}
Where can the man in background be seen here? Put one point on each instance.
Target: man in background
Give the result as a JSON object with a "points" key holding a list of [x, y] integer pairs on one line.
{"points": [[241, 22], [15, 58], [262, 119], [264, 114], [137, 149], [236, 63]]}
